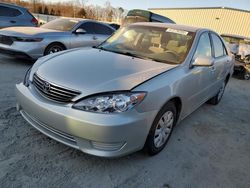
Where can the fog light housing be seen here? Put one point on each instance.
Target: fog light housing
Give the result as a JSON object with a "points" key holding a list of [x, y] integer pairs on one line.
{"points": [[115, 146]]}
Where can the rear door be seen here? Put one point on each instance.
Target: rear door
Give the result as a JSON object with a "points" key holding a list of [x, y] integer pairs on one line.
{"points": [[87, 39], [9, 16], [221, 59]]}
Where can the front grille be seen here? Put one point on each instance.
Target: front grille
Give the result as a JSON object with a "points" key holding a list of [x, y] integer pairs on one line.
{"points": [[53, 91], [6, 40]]}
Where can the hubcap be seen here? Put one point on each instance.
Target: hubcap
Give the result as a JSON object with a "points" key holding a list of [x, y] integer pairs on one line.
{"points": [[55, 49], [221, 91], [246, 76], [163, 129]]}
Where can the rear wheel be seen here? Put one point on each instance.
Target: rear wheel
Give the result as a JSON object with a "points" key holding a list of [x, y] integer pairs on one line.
{"points": [[53, 48], [217, 98], [161, 129], [246, 75]]}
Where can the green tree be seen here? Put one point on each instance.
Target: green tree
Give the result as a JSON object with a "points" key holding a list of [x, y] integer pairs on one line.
{"points": [[121, 10]]}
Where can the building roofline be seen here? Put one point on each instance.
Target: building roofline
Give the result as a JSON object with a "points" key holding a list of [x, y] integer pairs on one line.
{"points": [[235, 36], [228, 8]]}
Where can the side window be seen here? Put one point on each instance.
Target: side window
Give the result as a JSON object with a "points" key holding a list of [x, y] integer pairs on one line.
{"points": [[219, 49], [102, 29], [88, 27], [9, 12], [203, 47]]}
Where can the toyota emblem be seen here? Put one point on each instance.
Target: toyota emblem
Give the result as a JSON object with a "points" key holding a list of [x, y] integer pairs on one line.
{"points": [[46, 87]]}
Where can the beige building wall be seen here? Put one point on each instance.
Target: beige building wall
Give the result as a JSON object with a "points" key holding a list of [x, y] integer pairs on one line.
{"points": [[220, 19]]}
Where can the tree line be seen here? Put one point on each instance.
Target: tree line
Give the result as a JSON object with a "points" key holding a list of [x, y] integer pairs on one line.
{"points": [[74, 8]]}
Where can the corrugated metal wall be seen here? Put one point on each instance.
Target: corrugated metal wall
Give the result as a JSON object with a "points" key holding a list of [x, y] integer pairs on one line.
{"points": [[222, 20]]}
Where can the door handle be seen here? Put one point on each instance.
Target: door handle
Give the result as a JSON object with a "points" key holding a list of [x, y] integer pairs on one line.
{"points": [[212, 68], [95, 38], [12, 21]]}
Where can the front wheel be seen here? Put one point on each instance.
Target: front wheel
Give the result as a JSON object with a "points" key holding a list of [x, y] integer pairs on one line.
{"points": [[217, 98], [54, 48], [161, 129]]}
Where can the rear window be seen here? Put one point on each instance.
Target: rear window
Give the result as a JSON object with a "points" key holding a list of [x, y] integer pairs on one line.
{"points": [[9, 12]]}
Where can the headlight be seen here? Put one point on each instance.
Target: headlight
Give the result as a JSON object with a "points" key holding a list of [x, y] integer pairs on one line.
{"points": [[111, 103], [23, 39], [26, 81]]}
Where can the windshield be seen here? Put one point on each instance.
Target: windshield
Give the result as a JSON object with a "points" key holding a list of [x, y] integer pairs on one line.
{"points": [[134, 19], [164, 45], [60, 24]]}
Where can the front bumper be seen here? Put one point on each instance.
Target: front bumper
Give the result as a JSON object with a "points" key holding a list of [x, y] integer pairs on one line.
{"points": [[28, 50], [105, 135], [14, 53]]}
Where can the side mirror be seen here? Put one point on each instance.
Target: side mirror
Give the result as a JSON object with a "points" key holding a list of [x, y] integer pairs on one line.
{"points": [[80, 31], [203, 61]]}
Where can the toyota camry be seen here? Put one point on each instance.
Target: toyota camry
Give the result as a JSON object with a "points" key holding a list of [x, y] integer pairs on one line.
{"points": [[127, 93]]}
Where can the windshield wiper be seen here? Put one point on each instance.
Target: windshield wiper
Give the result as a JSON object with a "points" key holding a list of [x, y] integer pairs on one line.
{"points": [[114, 51], [129, 54], [100, 48], [132, 55]]}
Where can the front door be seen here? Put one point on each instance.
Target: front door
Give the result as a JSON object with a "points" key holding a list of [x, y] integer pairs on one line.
{"points": [[197, 84], [87, 39]]}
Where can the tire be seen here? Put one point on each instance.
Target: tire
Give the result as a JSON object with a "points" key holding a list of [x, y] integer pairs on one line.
{"points": [[53, 48], [161, 131], [246, 75], [217, 98], [247, 59]]}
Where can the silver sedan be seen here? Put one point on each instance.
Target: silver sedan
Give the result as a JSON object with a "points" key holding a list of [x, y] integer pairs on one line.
{"points": [[130, 92], [55, 36]]}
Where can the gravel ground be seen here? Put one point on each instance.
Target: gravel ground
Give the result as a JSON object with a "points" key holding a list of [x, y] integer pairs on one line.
{"points": [[210, 148]]}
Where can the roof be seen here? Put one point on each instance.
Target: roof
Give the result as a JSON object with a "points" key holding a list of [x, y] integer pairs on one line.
{"points": [[173, 26], [235, 36], [68, 18], [12, 5], [195, 8]]}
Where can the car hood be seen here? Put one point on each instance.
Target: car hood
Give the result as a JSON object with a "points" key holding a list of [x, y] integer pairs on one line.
{"points": [[93, 71], [28, 31]]}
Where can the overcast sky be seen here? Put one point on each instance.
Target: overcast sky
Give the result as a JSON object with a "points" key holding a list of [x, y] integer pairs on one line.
{"points": [[145, 4]]}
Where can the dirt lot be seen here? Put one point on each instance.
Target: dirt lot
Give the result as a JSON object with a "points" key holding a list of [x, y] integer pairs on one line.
{"points": [[210, 148]]}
